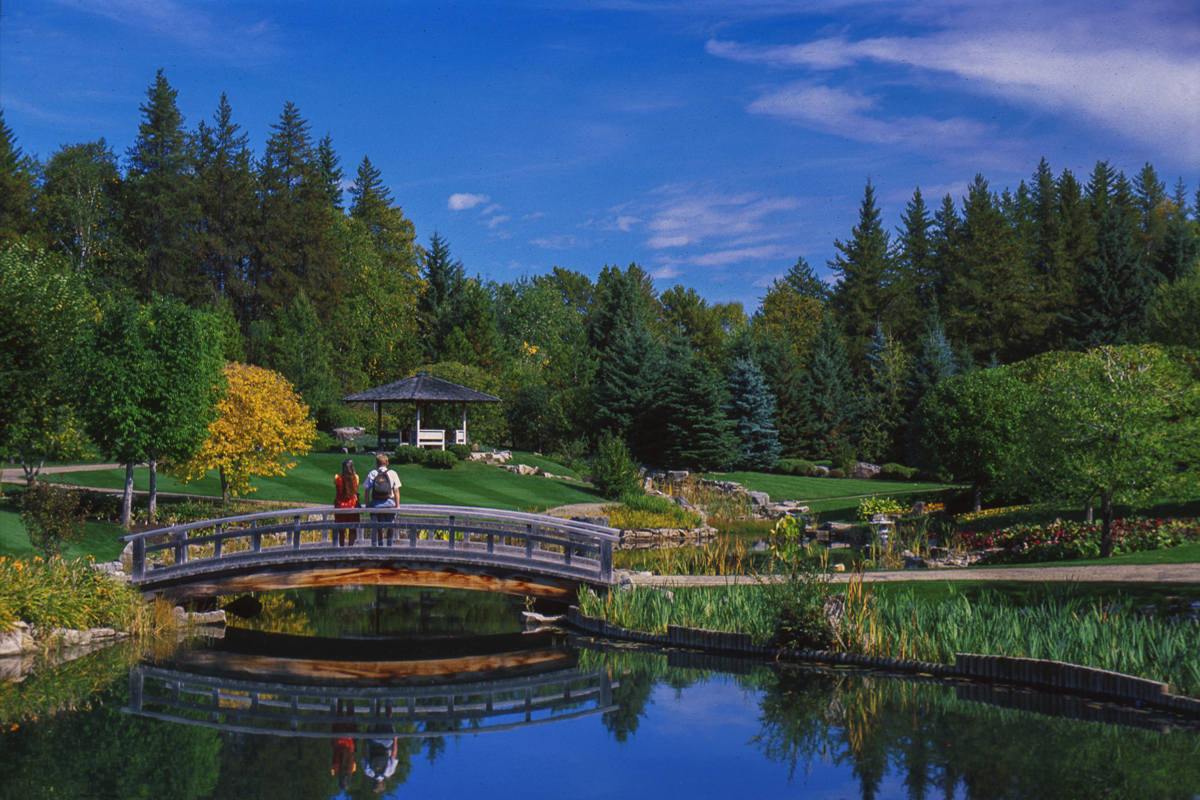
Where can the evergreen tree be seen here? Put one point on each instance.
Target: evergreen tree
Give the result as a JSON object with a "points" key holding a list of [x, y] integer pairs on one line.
{"points": [[444, 281], [227, 193], [885, 398], [622, 299], [1115, 287], [297, 246], [947, 228], [752, 408], [698, 434], [934, 363], [161, 208], [627, 389], [915, 268], [16, 187], [1153, 209], [831, 411], [1174, 315], [1181, 240], [329, 168], [865, 289], [991, 304]]}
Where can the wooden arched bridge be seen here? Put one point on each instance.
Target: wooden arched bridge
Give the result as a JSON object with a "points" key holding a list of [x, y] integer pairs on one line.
{"points": [[251, 705], [414, 545]]}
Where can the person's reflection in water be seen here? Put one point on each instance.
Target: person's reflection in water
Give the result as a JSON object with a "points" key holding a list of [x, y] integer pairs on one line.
{"points": [[343, 747], [379, 763]]}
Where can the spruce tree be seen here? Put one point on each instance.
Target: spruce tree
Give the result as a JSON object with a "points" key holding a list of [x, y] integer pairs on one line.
{"points": [[161, 209], [885, 398], [827, 394], [296, 243], [1181, 240], [1115, 287], [865, 286], [692, 430], [329, 170], [627, 390], [16, 187], [752, 408], [935, 362], [915, 268], [444, 282], [227, 193]]}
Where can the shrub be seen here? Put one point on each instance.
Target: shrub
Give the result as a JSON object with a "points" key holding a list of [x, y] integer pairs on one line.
{"points": [[407, 454], [52, 516], [795, 466], [571, 454], [323, 442], [845, 460], [896, 472], [440, 459], [837, 473], [799, 600], [461, 451], [870, 506], [614, 471]]}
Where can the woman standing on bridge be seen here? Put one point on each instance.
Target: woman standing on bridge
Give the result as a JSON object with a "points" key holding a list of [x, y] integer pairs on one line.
{"points": [[346, 496]]}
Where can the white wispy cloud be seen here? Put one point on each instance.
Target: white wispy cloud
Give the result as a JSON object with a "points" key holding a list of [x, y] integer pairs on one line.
{"points": [[462, 201], [560, 242], [689, 217], [1133, 69], [499, 219], [188, 24]]}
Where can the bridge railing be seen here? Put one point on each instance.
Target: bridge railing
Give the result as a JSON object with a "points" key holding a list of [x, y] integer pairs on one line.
{"points": [[251, 706], [445, 534]]}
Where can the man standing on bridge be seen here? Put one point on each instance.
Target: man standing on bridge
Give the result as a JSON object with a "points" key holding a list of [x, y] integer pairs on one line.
{"points": [[382, 490]]}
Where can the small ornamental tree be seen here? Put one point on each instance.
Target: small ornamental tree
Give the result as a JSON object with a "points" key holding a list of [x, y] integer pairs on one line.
{"points": [[260, 422], [614, 471], [53, 517]]}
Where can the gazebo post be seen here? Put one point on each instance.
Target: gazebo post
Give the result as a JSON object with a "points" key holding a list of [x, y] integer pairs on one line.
{"points": [[419, 404], [378, 424], [464, 428]]}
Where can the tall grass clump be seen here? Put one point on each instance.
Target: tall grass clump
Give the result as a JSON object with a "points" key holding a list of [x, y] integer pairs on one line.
{"points": [[723, 509], [643, 511], [56, 593], [726, 555], [730, 608], [1061, 626]]}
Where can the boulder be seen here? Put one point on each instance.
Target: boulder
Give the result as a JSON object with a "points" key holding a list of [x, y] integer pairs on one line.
{"points": [[17, 640], [864, 470], [593, 519], [760, 498]]}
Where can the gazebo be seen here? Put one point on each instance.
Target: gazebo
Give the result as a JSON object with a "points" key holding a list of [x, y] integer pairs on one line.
{"points": [[421, 389]]}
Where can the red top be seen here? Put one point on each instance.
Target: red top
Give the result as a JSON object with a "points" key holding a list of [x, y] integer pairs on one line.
{"points": [[346, 496]]}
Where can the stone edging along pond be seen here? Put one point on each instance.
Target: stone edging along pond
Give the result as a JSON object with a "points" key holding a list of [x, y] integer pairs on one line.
{"points": [[1031, 672]]}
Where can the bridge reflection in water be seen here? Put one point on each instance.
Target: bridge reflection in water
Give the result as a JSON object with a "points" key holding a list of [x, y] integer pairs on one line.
{"points": [[437, 695]]}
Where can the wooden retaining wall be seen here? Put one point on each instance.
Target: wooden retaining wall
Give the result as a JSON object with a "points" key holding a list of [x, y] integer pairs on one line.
{"points": [[1054, 676]]}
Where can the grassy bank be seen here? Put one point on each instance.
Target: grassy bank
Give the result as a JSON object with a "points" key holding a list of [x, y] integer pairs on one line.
{"points": [[61, 593]]}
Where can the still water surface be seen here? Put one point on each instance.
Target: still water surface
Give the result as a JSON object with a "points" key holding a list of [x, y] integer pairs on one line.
{"points": [[282, 705]]}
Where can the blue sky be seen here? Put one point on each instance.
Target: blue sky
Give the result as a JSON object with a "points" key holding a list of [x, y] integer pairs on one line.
{"points": [[711, 142]]}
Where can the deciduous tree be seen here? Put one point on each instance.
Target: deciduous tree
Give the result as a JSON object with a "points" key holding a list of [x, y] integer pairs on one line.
{"points": [[260, 422]]}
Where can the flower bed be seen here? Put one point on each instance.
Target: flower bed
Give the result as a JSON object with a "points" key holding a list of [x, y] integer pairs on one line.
{"points": [[1066, 541]]}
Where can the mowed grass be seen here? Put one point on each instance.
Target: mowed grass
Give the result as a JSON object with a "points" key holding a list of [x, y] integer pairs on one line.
{"points": [[99, 540], [311, 482], [833, 498]]}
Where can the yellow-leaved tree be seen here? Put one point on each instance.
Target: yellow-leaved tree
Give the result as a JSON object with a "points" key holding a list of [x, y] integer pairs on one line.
{"points": [[260, 422]]}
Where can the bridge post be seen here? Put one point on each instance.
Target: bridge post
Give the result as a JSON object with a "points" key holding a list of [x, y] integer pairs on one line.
{"points": [[139, 559], [606, 561], [450, 532]]}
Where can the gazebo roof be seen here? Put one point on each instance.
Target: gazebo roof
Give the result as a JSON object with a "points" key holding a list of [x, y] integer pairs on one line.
{"points": [[424, 389]]}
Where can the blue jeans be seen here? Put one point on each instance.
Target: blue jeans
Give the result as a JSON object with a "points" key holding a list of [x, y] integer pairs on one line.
{"points": [[386, 503]]}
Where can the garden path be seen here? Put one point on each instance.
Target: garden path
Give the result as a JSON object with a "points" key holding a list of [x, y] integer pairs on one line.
{"points": [[1096, 573]]}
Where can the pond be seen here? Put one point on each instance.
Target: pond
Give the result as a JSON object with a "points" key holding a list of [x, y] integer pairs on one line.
{"points": [[449, 697]]}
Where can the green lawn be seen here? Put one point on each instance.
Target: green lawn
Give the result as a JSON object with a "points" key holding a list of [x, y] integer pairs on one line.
{"points": [[832, 498], [99, 538], [311, 481]]}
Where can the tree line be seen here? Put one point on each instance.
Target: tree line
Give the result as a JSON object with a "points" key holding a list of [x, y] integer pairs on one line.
{"points": [[332, 290]]}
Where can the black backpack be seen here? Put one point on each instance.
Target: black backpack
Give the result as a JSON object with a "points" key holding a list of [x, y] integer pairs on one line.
{"points": [[381, 487]]}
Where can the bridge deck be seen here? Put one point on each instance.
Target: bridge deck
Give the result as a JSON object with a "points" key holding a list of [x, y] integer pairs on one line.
{"points": [[502, 551]]}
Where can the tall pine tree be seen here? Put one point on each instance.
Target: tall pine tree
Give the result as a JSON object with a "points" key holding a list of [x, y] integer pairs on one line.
{"points": [[752, 408], [161, 209]]}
